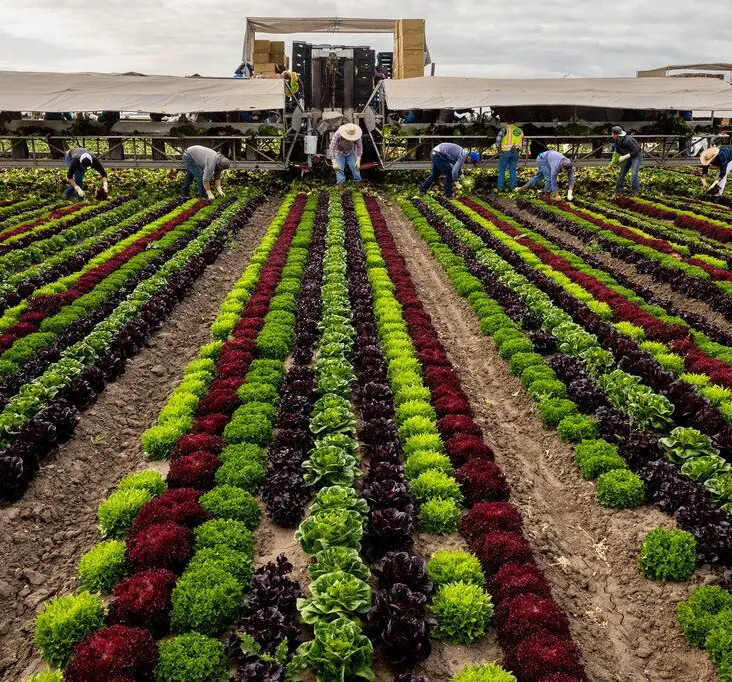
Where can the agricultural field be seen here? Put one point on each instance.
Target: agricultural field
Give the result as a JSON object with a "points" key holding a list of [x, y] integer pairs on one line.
{"points": [[298, 434]]}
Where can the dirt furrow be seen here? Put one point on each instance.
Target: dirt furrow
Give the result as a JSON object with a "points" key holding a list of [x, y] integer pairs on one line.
{"points": [[47, 531], [629, 270], [624, 623]]}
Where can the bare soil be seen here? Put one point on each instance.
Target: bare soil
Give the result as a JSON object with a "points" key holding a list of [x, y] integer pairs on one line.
{"points": [[629, 270], [624, 623], [46, 532]]}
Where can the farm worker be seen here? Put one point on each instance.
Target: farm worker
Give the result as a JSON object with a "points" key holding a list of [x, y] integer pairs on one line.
{"points": [[448, 159], [79, 161], [346, 148], [722, 159], [631, 156], [549, 165], [508, 142], [292, 81], [244, 70], [201, 164]]}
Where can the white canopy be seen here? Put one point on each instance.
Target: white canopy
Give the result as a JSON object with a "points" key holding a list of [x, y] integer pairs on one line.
{"points": [[29, 91], [684, 94]]}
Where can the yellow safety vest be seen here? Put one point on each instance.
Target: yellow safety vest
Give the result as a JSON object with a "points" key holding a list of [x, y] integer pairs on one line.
{"points": [[294, 83], [512, 138]]}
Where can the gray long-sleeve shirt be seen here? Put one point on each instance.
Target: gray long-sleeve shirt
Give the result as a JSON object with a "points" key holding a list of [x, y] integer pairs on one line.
{"points": [[455, 154], [207, 159]]}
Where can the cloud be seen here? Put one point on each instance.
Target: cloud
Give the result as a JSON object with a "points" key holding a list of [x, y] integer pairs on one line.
{"points": [[523, 38]]}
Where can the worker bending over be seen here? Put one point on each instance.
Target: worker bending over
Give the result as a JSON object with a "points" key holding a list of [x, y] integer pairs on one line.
{"points": [[722, 159], [549, 165], [201, 164], [79, 161], [448, 159], [509, 140], [631, 156], [346, 148]]}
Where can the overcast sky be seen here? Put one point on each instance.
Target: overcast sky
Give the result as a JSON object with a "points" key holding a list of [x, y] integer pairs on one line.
{"points": [[498, 39]]}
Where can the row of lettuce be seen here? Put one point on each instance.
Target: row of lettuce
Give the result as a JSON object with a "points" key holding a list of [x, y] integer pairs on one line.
{"points": [[612, 397], [63, 341], [327, 393]]}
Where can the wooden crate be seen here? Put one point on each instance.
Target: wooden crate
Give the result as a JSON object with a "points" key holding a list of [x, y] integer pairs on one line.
{"points": [[261, 45], [261, 57]]}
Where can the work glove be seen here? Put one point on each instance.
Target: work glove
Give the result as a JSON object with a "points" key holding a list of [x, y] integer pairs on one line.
{"points": [[105, 184], [625, 157], [79, 191], [570, 196], [334, 163], [457, 185], [358, 162], [220, 191], [712, 186], [210, 195]]}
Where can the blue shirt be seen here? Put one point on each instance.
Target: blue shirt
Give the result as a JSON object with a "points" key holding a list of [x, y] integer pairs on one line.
{"points": [[722, 160], [455, 155], [549, 165]]}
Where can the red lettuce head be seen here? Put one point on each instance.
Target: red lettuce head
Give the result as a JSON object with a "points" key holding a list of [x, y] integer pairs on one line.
{"points": [[162, 545], [212, 424], [482, 481], [463, 447], [143, 600], [452, 405], [452, 424], [543, 654], [514, 579], [198, 441], [179, 505], [117, 652], [489, 517], [526, 614], [195, 470], [495, 549], [225, 400]]}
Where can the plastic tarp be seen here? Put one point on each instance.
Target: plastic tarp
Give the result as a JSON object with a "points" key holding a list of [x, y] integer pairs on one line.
{"points": [[30, 91], [284, 26], [684, 94]]}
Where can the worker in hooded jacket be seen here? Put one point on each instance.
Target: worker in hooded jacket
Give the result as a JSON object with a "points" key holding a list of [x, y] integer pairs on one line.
{"points": [[79, 161], [721, 158], [202, 164], [629, 154]]}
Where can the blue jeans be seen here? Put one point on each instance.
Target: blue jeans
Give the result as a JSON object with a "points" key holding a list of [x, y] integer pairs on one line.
{"points": [[341, 161], [440, 165], [193, 172], [70, 192], [508, 160], [635, 164]]}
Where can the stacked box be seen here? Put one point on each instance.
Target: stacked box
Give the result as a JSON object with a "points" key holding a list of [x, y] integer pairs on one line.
{"points": [[409, 45]]}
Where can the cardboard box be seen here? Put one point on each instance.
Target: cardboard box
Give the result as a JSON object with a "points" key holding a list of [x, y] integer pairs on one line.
{"points": [[261, 57], [277, 46], [261, 45], [277, 57], [410, 26], [267, 67]]}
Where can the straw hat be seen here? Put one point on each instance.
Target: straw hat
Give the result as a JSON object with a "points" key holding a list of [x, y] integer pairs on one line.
{"points": [[350, 131], [708, 155]]}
